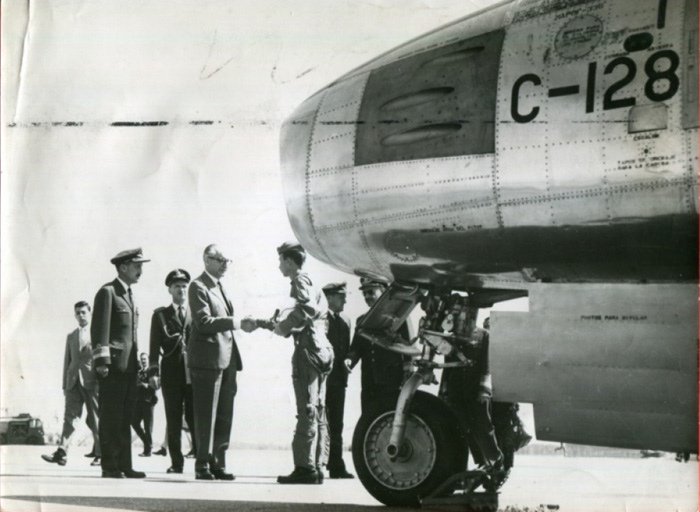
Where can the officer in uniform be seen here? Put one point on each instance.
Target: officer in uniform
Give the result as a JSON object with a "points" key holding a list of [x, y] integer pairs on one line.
{"points": [[114, 351], [382, 370], [339, 336], [170, 333], [312, 361]]}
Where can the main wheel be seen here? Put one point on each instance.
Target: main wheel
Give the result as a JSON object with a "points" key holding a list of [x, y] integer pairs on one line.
{"points": [[434, 449]]}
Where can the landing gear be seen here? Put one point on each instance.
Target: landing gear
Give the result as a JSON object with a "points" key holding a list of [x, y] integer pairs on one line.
{"points": [[433, 449]]}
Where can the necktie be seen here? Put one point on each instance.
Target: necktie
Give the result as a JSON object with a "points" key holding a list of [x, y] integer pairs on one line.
{"points": [[223, 294], [131, 297], [181, 314]]}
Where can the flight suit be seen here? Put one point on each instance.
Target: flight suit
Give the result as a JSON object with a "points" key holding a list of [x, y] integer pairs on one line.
{"points": [[312, 361]]}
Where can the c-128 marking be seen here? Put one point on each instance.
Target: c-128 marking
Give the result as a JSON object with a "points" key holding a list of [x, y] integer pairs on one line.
{"points": [[609, 101]]}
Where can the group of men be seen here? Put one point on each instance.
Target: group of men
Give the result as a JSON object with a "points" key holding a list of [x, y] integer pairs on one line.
{"points": [[195, 359]]}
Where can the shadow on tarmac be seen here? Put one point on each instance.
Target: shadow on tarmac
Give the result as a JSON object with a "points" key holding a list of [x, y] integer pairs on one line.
{"points": [[170, 505]]}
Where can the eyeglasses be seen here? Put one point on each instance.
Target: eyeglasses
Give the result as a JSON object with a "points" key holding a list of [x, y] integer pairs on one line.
{"points": [[223, 261]]}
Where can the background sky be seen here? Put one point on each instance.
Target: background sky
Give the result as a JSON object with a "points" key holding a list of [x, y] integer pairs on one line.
{"points": [[76, 189]]}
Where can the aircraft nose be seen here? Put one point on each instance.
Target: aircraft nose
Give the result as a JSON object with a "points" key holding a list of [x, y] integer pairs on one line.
{"points": [[295, 154]]}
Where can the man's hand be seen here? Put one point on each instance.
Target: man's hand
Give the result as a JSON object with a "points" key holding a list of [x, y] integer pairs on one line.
{"points": [[102, 370], [154, 382], [348, 365], [248, 324]]}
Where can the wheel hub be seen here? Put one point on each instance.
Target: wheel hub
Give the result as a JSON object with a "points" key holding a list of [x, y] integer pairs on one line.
{"points": [[415, 458]]}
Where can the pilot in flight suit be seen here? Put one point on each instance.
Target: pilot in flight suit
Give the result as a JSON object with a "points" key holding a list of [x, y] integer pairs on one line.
{"points": [[312, 361]]}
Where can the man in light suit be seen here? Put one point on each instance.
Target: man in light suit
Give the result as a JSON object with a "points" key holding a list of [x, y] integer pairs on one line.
{"points": [[170, 333], [79, 386], [213, 359], [115, 349]]}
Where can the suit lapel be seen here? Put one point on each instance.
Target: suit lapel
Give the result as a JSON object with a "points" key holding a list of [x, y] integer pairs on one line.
{"points": [[215, 290], [122, 292]]}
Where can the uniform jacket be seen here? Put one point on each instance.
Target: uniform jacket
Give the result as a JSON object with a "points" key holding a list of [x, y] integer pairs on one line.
{"points": [[381, 368], [211, 344], [77, 363], [113, 329], [339, 336], [169, 339]]}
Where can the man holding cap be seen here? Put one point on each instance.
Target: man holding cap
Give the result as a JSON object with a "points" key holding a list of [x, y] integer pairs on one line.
{"points": [[382, 370], [170, 333], [115, 348], [312, 361], [339, 336]]}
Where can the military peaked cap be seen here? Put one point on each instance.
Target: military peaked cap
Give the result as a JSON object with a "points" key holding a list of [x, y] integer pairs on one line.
{"points": [[129, 256], [339, 288], [177, 275]]}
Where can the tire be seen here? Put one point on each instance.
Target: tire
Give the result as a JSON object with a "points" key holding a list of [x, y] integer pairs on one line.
{"points": [[434, 449]]}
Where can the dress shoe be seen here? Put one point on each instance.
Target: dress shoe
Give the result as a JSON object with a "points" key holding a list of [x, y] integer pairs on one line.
{"points": [[112, 473], [59, 457], [174, 470], [221, 474], [191, 455], [130, 473], [320, 475], [97, 461], [203, 474], [91, 455], [162, 452], [300, 476], [340, 474], [146, 453]]}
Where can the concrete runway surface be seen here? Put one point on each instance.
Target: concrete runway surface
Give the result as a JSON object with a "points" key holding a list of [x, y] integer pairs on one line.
{"points": [[539, 483]]}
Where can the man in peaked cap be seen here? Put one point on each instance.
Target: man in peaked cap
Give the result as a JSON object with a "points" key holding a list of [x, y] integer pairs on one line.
{"points": [[115, 349], [382, 369], [339, 336], [312, 361], [170, 332]]}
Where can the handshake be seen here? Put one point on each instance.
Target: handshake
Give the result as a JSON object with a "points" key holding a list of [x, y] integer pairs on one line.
{"points": [[249, 324]]}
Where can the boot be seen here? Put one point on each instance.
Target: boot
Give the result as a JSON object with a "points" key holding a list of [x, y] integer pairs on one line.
{"points": [[59, 457], [300, 476]]}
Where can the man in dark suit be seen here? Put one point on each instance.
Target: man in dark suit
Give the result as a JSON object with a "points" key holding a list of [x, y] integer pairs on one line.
{"points": [[339, 335], [170, 333], [146, 401], [213, 359], [115, 347], [79, 386], [382, 370]]}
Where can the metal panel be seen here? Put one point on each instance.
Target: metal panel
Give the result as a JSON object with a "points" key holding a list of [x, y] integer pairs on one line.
{"points": [[434, 104], [600, 361]]}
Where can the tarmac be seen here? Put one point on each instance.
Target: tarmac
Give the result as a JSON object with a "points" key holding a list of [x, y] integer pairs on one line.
{"points": [[538, 483]]}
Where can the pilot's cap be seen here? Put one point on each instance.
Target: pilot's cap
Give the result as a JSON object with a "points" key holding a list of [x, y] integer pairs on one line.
{"points": [[288, 247], [336, 288], [177, 275], [129, 256], [366, 283]]}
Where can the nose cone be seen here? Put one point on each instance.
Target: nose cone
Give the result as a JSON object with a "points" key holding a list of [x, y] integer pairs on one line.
{"points": [[295, 154]]}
